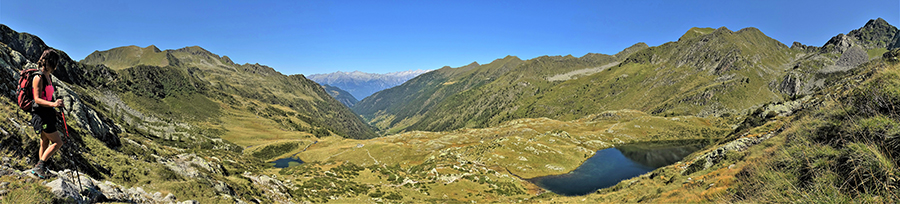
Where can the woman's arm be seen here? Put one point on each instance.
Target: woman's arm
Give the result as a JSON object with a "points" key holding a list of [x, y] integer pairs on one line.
{"points": [[36, 92]]}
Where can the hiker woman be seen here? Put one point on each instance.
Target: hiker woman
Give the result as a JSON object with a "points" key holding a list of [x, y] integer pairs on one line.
{"points": [[44, 116]]}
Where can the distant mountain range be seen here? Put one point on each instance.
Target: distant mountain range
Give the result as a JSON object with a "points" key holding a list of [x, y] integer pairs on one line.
{"points": [[362, 84]]}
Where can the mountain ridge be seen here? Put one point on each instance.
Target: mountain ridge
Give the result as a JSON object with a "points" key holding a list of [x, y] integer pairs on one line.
{"points": [[233, 84], [521, 93]]}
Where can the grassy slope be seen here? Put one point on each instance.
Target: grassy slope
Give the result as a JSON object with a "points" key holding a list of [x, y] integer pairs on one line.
{"points": [[469, 96], [704, 75], [196, 84], [707, 72], [396, 108]]}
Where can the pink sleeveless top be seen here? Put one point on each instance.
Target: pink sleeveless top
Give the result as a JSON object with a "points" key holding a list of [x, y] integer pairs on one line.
{"points": [[48, 91]]}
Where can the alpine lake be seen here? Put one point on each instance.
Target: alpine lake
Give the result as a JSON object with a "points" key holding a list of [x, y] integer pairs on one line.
{"points": [[286, 162], [610, 166]]}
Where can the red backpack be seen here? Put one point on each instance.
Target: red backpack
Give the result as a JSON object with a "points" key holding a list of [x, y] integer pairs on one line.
{"points": [[24, 92]]}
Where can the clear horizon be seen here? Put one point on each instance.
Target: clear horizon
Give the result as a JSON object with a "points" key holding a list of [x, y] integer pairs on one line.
{"points": [[312, 37]]}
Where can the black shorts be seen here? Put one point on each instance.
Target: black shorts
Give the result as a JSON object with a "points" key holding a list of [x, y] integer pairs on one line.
{"points": [[44, 119]]}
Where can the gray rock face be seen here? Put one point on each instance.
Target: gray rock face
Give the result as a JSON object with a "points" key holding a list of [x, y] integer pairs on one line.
{"points": [[839, 43], [790, 84], [852, 53], [76, 111], [275, 189], [67, 188], [184, 165], [707, 160], [10, 64]]}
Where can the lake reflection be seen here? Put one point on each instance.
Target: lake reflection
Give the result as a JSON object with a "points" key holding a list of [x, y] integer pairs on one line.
{"points": [[609, 166]]}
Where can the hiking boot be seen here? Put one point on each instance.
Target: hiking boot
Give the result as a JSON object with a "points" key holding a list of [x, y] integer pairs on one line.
{"points": [[40, 170], [40, 173]]}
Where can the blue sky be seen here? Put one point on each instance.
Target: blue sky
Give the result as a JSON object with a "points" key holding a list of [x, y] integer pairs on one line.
{"points": [[308, 37]]}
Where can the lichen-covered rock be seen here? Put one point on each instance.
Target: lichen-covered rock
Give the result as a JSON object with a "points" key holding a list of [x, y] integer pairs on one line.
{"points": [[790, 84], [713, 157], [184, 165], [275, 189], [73, 187], [76, 112]]}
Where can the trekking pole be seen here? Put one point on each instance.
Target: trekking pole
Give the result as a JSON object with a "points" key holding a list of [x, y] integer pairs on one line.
{"points": [[77, 175]]}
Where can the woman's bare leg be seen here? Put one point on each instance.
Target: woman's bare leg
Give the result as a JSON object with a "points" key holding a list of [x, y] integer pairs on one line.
{"points": [[51, 149]]}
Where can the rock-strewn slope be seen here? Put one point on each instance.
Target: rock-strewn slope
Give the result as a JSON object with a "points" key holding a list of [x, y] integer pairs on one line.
{"points": [[121, 153]]}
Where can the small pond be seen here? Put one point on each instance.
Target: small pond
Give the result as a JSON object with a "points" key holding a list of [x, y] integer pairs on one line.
{"points": [[286, 162], [610, 166]]}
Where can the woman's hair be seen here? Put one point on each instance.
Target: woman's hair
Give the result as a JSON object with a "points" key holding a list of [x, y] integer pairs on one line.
{"points": [[49, 59]]}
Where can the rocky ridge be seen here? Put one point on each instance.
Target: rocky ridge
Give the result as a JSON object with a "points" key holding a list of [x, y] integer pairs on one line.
{"points": [[166, 82]]}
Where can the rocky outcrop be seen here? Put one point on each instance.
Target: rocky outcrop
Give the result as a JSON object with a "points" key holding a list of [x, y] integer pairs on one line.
{"points": [[891, 55], [74, 187], [837, 44], [187, 165], [87, 118], [77, 187], [276, 190], [714, 157], [850, 58], [790, 85]]}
